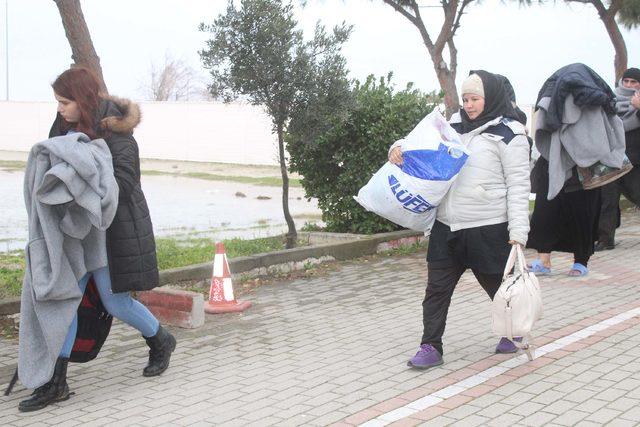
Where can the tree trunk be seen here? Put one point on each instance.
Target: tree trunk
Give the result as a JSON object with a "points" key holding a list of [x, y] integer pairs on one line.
{"points": [[292, 234], [620, 47], [75, 27], [447, 82]]}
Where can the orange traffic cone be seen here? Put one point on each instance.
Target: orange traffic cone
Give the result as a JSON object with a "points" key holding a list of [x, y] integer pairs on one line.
{"points": [[221, 299]]}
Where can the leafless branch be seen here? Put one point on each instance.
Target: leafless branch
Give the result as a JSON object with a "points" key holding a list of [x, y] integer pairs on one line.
{"points": [[401, 10], [174, 80], [456, 24], [421, 27]]}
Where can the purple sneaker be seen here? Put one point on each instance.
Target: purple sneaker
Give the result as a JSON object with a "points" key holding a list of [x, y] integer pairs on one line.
{"points": [[505, 346], [426, 357]]}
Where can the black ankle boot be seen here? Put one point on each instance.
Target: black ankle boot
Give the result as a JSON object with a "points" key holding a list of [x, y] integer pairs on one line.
{"points": [[161, 345], [56, 390]]}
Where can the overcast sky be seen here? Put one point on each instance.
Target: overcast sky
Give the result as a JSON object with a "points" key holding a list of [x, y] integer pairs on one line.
{"points": [[525, 44]]}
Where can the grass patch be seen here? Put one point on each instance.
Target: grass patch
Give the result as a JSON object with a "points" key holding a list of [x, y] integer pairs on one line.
{"points": [[174, 164], [11, 273], [267, 181], [174, 253], [407, 249], [12, 165]]}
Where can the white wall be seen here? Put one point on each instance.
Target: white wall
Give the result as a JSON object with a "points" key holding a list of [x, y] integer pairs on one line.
{"points": [[22, 124], [196, 131]]}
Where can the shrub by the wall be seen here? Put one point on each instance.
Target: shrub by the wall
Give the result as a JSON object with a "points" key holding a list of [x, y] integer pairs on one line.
{"points": [[352, 145]]}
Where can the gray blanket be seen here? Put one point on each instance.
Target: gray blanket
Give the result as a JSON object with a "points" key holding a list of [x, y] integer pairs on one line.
{"points": [[625, 110], [71, 197], [587, 136]]}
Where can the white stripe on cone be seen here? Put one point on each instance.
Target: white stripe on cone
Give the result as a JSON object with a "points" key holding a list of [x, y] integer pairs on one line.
{"points": [[218, 266], [227, 287]]}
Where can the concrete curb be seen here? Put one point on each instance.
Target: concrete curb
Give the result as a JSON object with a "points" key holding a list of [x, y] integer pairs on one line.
{"points": [[280, 261], [296, 259]]}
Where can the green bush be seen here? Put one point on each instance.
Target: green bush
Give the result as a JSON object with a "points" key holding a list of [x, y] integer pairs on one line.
{"points": [[336, 162]]}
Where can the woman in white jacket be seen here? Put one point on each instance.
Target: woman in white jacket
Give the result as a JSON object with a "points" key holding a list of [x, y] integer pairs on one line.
{"points": [[485, 211]]}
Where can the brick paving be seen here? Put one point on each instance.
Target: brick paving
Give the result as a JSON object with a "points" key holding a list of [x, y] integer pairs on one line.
{"points": [[332, 350]]}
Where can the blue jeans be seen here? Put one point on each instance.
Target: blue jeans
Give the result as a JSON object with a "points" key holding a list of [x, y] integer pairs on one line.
{"points": [[120, 306]]}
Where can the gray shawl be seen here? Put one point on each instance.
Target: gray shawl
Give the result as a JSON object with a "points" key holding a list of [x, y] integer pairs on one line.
{"points": [[71, 197], [626, 111], [587, 136]]}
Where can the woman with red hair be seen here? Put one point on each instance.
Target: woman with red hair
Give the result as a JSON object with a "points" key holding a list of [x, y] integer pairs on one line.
{"points": [[131, 251]]}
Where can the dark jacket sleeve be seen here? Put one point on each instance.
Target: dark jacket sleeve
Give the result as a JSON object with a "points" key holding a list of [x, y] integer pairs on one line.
{"points": [[56, 126], [126, 169]]}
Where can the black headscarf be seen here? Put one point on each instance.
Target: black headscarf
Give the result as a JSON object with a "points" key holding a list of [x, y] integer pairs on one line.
{"points": [[522, 117], [497, 101]]}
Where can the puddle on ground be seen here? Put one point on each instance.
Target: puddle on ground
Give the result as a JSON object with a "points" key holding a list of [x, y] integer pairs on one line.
{"points": [[182, 207]]}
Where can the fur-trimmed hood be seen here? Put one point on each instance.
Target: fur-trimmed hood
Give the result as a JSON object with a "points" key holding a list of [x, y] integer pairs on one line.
{"points": [[114, 115], [119, 115]]}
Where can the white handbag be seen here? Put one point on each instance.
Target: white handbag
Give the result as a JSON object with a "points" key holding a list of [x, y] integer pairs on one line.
{"points": [[518, 303]]}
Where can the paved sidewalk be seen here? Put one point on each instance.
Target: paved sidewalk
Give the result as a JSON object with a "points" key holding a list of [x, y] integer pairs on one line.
{"points": [[333, 350]]}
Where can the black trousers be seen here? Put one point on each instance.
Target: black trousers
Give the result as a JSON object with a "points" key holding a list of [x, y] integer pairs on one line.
{"points": [[442, 279], [629, 186], [568, 223]]}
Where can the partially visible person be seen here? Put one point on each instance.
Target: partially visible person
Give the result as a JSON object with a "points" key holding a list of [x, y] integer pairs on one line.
{"points": [[576, 127], [628, 109], [568, 223], [483, 214], [130, 244]]}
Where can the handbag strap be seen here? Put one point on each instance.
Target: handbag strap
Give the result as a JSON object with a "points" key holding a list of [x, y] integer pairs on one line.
{"points": [[516, 258], [522, 263], [510, 262]]}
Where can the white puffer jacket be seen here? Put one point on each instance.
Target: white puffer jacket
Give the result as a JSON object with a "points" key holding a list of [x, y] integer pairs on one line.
{"points": [[493, 186]]}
